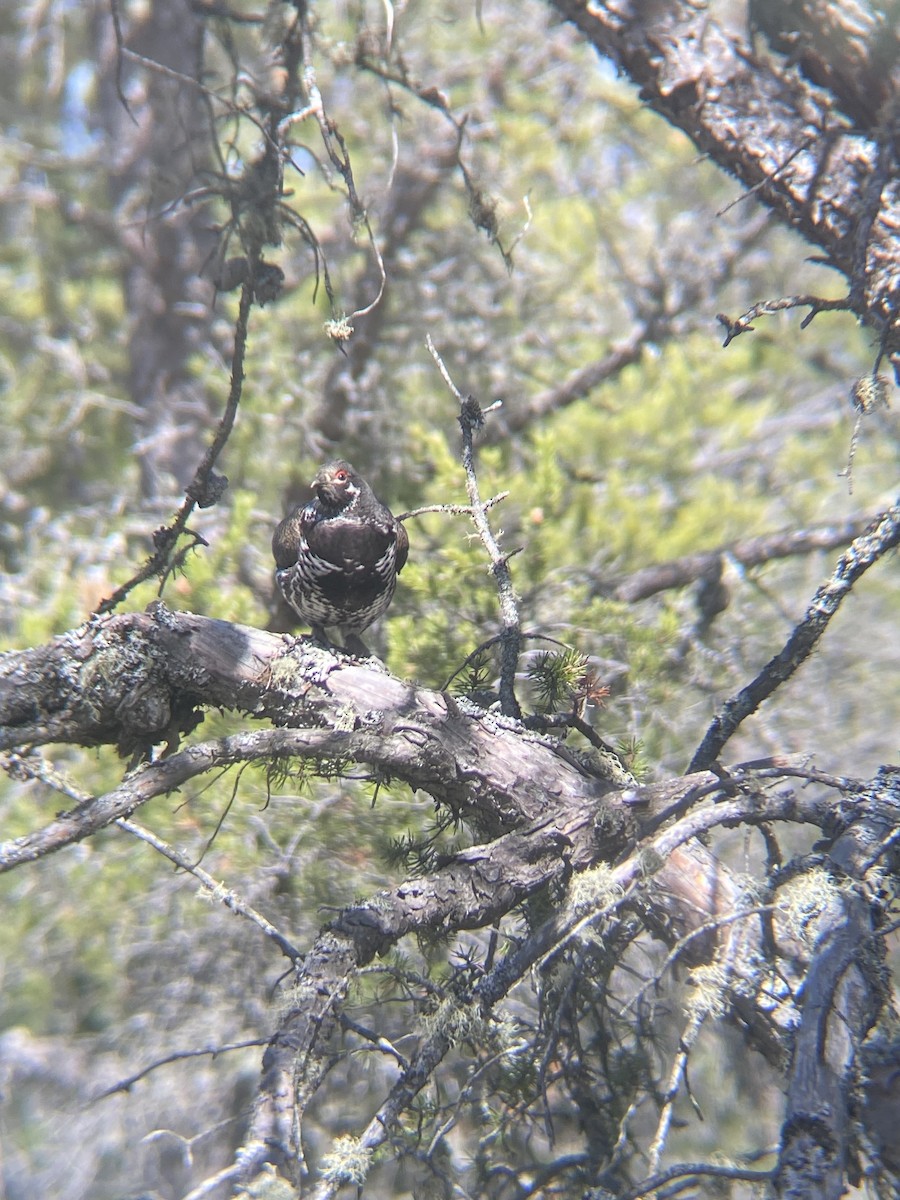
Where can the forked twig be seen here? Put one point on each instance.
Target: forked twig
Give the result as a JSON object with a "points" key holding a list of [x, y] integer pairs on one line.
{"points": [[454, 510], [471, 419], [815, 304]]}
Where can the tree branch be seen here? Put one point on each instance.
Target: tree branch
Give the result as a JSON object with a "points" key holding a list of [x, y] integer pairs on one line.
{"points": [[138, 679], [882, 536], [206, 487], [776, 132], [471, 419], [158, 779], [842, 996], [742, 324], [663, 313], [747, 552], [548, 815], [365, 930], [217, 891]]}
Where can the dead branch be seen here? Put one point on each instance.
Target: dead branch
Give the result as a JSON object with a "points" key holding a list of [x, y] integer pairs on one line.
{"points": [[743, 324], [139, 679], [747, 552], [206, 487], [880, 538], [471, 420]]}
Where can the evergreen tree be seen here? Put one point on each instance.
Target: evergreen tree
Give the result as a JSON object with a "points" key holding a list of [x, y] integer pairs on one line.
{"points": [[606, 842]]}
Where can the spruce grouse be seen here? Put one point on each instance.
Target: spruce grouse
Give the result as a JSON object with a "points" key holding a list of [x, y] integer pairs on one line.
{"points": [[338, 557]]}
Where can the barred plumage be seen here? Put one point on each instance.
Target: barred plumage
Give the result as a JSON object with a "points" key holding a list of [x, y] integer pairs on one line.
{"points": [[337, 558]]}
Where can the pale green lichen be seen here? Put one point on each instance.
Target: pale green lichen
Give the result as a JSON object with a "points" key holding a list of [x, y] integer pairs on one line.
{"points": [[506, 1034], [709, 991], [292, 998], [347, 1162], [219, 894], [269, 1185], [804, 900], [595, 889], [454, 1021], [339, 330]]}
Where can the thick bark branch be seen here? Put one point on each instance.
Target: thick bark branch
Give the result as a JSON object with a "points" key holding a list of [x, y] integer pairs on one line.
{"points": [[776, 132], [477, 888], [547, 811], [159, 779], [852, 48], [842, 995], [140, 679], [481, 884]]}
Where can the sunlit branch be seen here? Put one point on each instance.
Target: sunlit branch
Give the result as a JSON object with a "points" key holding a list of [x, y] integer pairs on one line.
{"points": [[471, 418], [881, 537]]}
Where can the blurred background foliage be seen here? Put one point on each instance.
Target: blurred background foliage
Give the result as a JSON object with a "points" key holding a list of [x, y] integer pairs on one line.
{"points": [[610, 234]]}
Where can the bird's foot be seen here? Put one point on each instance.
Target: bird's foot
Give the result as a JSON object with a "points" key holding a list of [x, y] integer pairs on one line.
{"points": [[356, 647]]}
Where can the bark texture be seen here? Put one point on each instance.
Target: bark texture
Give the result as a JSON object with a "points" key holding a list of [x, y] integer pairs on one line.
{"points": [[542, 812], [775, 130]]}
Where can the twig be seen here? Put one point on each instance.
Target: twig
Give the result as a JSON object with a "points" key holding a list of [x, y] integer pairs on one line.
{"points": [[686, 1170], [151, 64], [560, 928], [471, 418], [30, 765], [339, 156], [455, 510], [719, 974], [570, 720], [677, 1073], [120, 54], [768, 178], [527, 635], [156, 779], [375, 1039], [847, 472], [868, 394], [206, 486], [216, 890], [684, 944], [815, 304], [546, 940], [883, 535], [125, 1085], [781, 766], [746, 553], [208, 1186], [411, 1081]]}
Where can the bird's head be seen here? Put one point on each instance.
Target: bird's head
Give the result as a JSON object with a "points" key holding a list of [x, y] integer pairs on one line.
{"points": [[337, 485]]}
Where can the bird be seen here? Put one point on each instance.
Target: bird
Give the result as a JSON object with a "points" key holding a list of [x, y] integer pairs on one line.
{"points": [[337, 558]]}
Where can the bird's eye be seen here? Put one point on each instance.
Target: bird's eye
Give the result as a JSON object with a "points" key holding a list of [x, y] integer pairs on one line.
{"points": [[341, 476]]}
